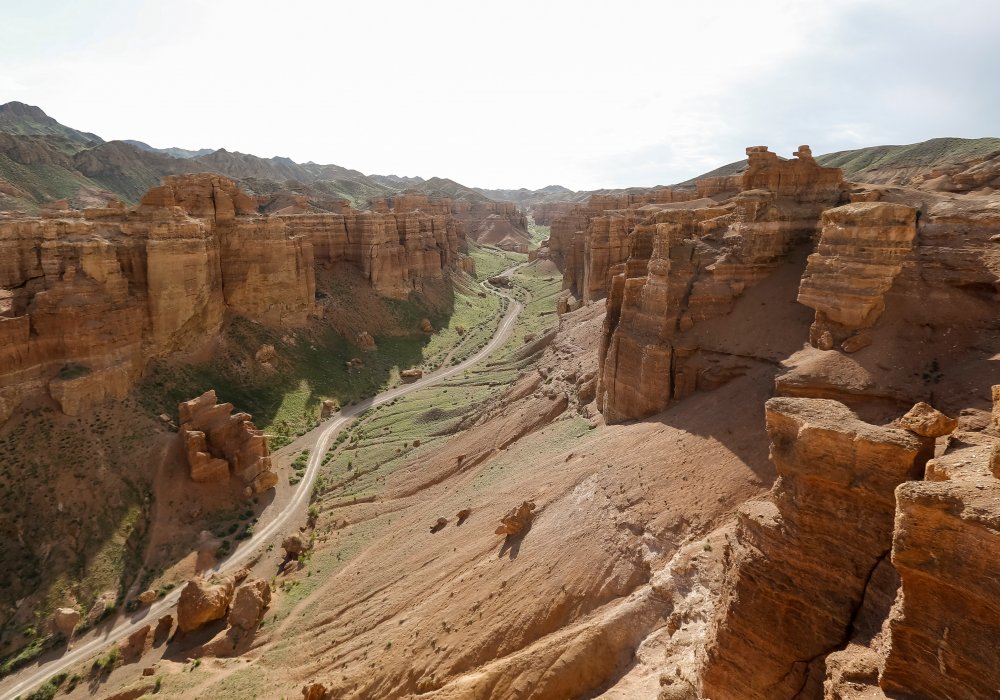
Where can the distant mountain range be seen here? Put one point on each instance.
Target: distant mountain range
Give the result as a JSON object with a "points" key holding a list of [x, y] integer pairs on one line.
{"points": [[42, 160], [895, 165]]}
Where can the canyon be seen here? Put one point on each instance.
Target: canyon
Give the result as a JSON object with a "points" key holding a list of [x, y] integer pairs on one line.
{"points": [[741, 438]]}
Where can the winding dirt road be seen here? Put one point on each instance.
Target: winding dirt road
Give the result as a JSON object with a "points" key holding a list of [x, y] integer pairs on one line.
{"points": [[33, 676]]}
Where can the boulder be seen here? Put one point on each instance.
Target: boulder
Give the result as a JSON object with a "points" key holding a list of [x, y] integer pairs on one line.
{"points": [[104, 602], [147, 597], [202, 602], [366, 342], [411, 374], [314, 691], [923, 419], [517, 519], [163, 627], [266, 354], [294, 545], [425, 326], [65, 620], [327, 408], [249, 603]]}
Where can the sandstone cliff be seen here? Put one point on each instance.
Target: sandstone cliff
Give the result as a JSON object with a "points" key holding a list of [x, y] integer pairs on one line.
{"points": [[799, 563], [219, 444], [484, 221], [88, 297], [684, 264]]}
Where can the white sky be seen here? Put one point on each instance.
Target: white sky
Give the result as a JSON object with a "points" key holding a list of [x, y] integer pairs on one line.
{"points": [[509, 94]]}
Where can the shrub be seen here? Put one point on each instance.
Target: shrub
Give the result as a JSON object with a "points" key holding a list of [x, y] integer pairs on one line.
{"points": [[72, 370]]}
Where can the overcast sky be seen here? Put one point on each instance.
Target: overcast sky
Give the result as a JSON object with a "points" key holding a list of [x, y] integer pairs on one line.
{"points": [[510, 94]]}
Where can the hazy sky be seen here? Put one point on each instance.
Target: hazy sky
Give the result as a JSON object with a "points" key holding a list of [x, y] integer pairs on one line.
{"points": [[510, 94]]}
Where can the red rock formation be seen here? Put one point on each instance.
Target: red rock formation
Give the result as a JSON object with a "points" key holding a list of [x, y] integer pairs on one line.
{"points": [[544, 213], [219, 444], [861, 250], [92, 295], [946, 620], [688, 264], [202, 602], [396, 252], [87, 298], [800, 562], [248, 606]]}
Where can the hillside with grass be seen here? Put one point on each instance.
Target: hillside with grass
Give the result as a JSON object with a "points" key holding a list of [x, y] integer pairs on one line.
{"points": [[896, 165]]}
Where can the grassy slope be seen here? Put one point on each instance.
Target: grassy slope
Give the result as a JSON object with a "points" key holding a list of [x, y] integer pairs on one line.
{"points": [[97, 548], [864, 164], [311, 364], [383, 439]]}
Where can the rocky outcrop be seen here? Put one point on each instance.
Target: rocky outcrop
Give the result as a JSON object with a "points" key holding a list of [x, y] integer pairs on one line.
{"points": [[202, 602], [395, 251], [65, 620], [89, 296], [689, 264], [219, 444], [588, 239], [517, 520], [946, 619], [484, 221], [249, 603], [544, 213], [861, 250], [800, 562], [924, 420]]}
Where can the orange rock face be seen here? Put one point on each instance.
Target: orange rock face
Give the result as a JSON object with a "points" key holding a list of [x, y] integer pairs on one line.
{"points": [[801, 561], [682, 265], [94, 294], [396, 252], [202, 602], [861, 250], [219, 443]]}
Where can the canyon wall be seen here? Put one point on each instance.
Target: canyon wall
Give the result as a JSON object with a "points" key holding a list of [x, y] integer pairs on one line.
{"points": [[88, 297], [497, 223], [586, 239], [671, 267], [669, 261], [867, 573], [800, 562]]}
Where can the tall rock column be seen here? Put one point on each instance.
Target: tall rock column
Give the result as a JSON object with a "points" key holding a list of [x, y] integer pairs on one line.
{"points": [[945, 626], [800, 562], [860, 252]]}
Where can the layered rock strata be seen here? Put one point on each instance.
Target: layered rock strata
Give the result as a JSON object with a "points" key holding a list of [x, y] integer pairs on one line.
{"points": [[861, 250], [219, 444], [800, 562], [88, 297], [586, 240], [396, 252], [946, 622], [475, 220], [683, 265]]}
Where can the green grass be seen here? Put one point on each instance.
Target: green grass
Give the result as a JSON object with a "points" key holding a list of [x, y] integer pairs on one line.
{"points": [[312, 367], [247, 682], [93, 549], [381, 441], [538, 290], [538, 232], [490, 260]]}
